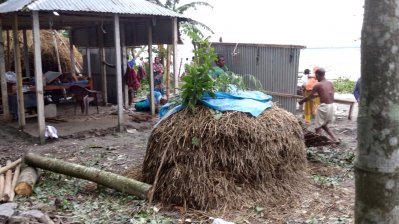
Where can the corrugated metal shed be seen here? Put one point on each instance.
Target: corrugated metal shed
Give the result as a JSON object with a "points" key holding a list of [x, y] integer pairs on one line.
{"points": [[129, 7], [275, 66]]}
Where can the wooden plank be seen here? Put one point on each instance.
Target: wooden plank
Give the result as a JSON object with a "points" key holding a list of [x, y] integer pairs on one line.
{"points": [[103, 68], [57, 53], [18, 71], [88, 58], [37, 57], [8, 63], [4, 94], [124, 66], [26, 54], [118, 69], [175, 73], [339, 101], [152, 99]]}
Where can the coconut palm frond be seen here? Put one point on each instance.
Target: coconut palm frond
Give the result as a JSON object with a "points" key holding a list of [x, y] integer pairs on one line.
{"points": [[202, 25], [169, 4], [192, 5], [156, 2]]}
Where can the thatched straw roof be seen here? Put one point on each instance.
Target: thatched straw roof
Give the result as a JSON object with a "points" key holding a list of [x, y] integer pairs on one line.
{"points": [[212, 162], [49, 59]]}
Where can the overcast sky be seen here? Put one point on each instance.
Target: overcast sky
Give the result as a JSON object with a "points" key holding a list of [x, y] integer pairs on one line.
{"points": [[313, 23]]}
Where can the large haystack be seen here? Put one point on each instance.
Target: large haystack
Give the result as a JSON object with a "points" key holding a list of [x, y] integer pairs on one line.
{"points": [[49, 57], [213, 161]]}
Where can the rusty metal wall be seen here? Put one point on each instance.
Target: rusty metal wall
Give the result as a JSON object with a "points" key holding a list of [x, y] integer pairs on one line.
{"points": [[275, 66]]}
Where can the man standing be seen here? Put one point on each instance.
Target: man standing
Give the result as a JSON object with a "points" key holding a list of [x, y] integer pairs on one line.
{"points": [[325, 112]]}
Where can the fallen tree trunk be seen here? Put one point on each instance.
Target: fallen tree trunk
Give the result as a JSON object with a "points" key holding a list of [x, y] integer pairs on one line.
{"points": [[10, 165], [111, 180], [7, 183], [26, 181], [14, 182]]}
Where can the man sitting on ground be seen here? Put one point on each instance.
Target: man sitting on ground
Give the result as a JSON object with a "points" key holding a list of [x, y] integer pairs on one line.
{"points": [[325, 112]]}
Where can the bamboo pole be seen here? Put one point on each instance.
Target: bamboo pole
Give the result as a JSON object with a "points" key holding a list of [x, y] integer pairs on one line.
{"points": [[176, 76], [10, 166], [7, 184], [152, 99], [8, 62], [4, 93], [168, 54], [111, 180], [18, 71], [118, 70], [14, 182]]}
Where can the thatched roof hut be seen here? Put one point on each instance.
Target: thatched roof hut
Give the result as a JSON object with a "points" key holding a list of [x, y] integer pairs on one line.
{"points": [[205, 161], [48, 51]]}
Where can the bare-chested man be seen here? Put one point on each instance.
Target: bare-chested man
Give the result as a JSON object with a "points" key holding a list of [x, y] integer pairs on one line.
{"points": [[325, 112]]}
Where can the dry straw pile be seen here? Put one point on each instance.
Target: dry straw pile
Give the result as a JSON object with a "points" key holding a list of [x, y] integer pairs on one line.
{"points": [[214, 161], [49, 57]]}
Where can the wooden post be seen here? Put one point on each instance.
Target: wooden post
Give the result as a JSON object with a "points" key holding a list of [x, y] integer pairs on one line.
{"points": [[17, 62], [152, 99], [88, 62], [118, 69], [72, 56], [38, 75], [26, 54], [4, 94], [167, 69], [176, 76], [124, 66], [8, 63], [103, 67]]}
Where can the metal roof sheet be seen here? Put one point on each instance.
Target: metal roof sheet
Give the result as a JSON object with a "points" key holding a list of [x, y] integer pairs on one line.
{"points": [[130, 7]]}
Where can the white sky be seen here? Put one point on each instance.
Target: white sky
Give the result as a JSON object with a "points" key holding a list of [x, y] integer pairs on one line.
{"points": [[313, 23]]}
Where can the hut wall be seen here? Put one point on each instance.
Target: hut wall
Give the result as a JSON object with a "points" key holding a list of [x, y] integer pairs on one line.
{"points": [[275, 66], [95, 64]]}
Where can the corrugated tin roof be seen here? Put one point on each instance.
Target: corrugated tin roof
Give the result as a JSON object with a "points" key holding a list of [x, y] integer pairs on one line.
{"points": [[131, 7]]}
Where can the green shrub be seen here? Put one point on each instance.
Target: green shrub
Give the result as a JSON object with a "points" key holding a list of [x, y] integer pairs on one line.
{"points": [[343, 85]]}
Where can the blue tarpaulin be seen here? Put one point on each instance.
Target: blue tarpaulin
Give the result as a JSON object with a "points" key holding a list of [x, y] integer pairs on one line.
{"points": [[252, 102]]}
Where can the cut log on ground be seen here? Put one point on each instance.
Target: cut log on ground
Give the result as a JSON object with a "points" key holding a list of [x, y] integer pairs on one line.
{"points": [[26, 181], [7, 184], [1, 185], [10, 165], [111, 180], [14, 182]]}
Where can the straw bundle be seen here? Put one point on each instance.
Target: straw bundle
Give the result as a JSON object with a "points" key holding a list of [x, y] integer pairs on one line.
{"points": [[216, 161], [49, 58]]}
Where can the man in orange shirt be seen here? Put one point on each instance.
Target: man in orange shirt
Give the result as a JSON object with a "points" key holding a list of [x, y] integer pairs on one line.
{"points": [[311, 105]]}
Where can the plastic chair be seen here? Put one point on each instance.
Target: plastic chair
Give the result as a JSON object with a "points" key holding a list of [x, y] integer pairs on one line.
{"points": [[83, 97]]}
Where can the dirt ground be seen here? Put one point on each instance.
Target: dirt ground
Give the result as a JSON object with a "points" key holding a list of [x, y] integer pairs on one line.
{"points": [[93, 141]]}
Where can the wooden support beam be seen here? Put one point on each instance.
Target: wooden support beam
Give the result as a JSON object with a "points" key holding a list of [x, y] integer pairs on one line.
{"points": [[26, 54], [118, 70], [339, 101], [88, 58], [37, 57], [175, 73], [152, 99], [18, 71], [124, 66], [4, 92], [8, 62], [103, 67], [72, 56]]}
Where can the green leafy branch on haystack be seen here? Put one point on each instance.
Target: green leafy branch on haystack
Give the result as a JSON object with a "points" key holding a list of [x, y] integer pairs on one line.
{"points": [[197, 79]]}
